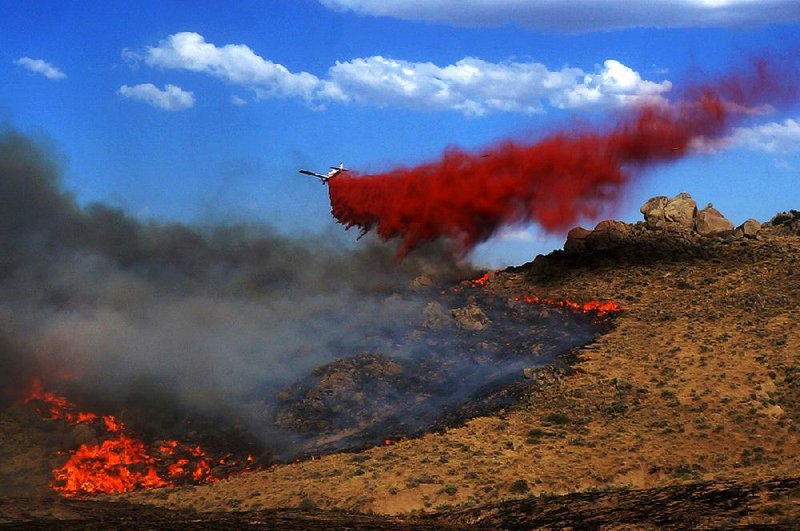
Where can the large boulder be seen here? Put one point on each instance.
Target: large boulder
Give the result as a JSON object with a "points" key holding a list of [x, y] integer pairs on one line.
{"points": [[607, 234], [748, 229], [576, 240], [710, 221], [653, 211], [681, 210]]}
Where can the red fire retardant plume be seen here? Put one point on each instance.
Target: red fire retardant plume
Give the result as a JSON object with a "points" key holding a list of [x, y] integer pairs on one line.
{"points": [[565, 177]]}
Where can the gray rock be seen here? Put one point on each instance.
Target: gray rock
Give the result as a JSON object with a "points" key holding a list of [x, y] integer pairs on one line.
{"points": [[682, 210], [421, 282], [471, 317], [435, 316], [710, 221]]}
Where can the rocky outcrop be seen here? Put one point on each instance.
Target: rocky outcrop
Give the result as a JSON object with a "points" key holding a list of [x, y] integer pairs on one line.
{"points": [[605, 235], [786, 222], [660, 212], [666, 234], [674, 223], [710, 221]]}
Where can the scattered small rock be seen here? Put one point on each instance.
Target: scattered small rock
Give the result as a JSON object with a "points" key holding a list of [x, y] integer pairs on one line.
{"points": [[421, 282], [471, 317], [435, 316]]}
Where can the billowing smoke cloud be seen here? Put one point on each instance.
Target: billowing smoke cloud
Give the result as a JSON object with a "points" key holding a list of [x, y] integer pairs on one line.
{"points": [[212, 317], [570, 175]]}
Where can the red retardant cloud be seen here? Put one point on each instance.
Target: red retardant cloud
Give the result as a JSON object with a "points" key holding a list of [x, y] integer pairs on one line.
{"points": [[555, 182]]}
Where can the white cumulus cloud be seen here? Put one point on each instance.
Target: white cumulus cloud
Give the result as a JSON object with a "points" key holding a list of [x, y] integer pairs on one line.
{"points": [[581, 15], [41, 66], [171, 98], [476, 87], [615, 85], [235, 63], [470, 86], [772, 137]]}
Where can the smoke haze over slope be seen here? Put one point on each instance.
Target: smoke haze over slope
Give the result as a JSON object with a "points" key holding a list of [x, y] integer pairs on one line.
{"points": [[211, 315]]}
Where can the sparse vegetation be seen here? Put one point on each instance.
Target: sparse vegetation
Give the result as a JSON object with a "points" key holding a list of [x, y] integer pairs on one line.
{"points": [[691, 385], [520, 486], [558, 418], [450, 489], [307, 504]]}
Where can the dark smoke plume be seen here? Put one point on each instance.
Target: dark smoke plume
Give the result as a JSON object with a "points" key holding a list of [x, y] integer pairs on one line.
{"points": [[570, 175], [213, 317]]}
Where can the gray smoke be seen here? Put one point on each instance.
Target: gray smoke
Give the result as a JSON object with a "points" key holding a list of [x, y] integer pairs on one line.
{"points": [[212, 316]]}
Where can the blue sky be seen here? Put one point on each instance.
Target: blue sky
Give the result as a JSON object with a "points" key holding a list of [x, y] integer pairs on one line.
{"points": [[192, 112]]}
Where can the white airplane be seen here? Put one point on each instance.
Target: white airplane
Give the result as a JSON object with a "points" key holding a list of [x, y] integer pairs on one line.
{"points": [[324, 178]]}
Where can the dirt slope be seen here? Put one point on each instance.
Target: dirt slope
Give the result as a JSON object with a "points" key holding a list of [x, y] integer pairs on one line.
{"points": [[695, 391], [699, 381]]}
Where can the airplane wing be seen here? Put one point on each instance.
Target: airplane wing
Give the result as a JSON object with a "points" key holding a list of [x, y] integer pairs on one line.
{"points": [[313, 174]]}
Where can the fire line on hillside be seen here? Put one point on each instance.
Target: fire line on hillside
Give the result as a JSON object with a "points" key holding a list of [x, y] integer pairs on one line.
{"points": [[390, 411]]}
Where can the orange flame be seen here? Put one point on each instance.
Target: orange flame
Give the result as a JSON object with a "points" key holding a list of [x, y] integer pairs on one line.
{"points": [[58, 407], [482, 281], [116, 465], [120, 463], [112, 424], [601, 308]]}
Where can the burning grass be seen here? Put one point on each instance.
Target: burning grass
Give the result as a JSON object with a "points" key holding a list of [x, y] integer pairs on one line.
{"points": [[121, 462]]}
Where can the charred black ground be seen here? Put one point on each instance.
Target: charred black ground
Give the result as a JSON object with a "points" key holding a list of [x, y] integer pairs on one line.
{"points": [[462, 362]]}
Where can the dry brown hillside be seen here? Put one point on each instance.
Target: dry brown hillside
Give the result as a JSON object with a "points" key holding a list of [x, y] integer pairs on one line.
{"points": [[693, 396]]}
